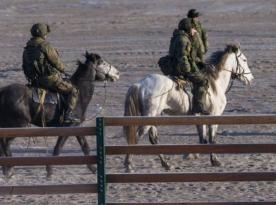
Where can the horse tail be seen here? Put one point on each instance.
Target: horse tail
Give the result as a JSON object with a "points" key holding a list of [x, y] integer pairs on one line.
{"points": [[132, 108], [132, 102]]}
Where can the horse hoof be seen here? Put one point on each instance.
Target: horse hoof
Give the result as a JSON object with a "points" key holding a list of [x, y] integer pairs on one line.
{"points": [[166, 166], [8, 172], [49, 171], [190, 156], [92, 168], [215, 162], [129, 170]]}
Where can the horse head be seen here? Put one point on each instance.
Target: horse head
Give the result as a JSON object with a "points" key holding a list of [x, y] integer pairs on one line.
{"points": [[240, 69], [104, 70]]}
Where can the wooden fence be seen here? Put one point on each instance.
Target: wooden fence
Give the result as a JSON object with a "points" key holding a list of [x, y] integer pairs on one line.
{"points": [[102, 151], [54, 160], [180, 149]]}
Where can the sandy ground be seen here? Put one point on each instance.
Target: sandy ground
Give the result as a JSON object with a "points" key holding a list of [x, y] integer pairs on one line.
{"points": [[132, 35]]}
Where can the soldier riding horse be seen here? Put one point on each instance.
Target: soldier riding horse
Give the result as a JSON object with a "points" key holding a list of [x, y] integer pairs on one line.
{"points": [[19, 108]]}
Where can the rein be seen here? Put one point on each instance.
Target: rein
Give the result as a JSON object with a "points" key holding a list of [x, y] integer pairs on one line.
{"points": [[100, 109], [236, 75]]}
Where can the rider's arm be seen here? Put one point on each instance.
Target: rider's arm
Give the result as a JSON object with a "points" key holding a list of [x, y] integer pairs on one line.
{"points": [[204, 38], [53, 58], [183, 58]]}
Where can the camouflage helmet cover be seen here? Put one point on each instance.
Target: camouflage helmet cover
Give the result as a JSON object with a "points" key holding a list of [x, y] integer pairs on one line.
{"points": [[185, 24], [40, 30], [193, 13]]}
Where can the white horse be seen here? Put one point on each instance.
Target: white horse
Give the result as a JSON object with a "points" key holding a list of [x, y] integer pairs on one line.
{"points": [[157, 94]]}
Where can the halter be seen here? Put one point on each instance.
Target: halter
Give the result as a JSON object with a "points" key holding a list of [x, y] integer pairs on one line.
{"points": [[236, 75], [101, 108], [110, 67]]}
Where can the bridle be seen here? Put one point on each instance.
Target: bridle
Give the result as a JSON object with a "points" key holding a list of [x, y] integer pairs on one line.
{"points": [[235, 74], [100, 109], [106, 74]]}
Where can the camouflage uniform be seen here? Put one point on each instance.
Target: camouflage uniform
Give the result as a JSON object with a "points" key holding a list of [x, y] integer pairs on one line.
{"points": [[185, 62], [200, 39], [43, 67]]}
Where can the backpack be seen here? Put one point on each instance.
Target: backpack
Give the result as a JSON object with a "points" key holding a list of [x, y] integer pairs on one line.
{"points": [[165, 64], [33, 58]]}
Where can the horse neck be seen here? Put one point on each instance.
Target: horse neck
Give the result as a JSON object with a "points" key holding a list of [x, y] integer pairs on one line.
{"points": [[224, 76], [83, 80]]}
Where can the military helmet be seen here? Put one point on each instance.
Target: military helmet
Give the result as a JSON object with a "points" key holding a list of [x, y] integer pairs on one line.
{"points": [[193, 13], [40, 30], [185, 24]]}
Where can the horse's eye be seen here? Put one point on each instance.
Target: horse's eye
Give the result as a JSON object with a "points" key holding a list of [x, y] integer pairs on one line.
{"points": [[244, 60]]}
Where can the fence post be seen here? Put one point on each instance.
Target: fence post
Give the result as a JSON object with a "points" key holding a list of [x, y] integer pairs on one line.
{"points": [[101, 162]]}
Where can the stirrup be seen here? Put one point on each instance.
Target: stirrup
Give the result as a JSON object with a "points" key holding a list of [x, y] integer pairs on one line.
{"points": [[69, 118]]}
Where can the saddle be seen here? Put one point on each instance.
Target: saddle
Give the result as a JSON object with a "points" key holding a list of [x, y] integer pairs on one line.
{"points": [[180, 82], [43, 97]]}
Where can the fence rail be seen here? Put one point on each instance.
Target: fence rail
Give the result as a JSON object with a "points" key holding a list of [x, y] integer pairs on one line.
{"points": [[49, 131], [131, 122], [49, 189], [199, 203], [53, 160], [102, 178], [191, 120], [181, 149], [191, 177]]}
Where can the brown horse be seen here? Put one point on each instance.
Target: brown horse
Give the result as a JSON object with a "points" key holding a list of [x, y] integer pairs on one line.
{"points": [[18, 109]]}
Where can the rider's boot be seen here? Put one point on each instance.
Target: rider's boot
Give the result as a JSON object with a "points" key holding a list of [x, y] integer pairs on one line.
{"points": [[70, 118], [199, 101]]}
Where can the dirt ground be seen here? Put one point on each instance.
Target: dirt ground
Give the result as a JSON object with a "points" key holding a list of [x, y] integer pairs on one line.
{"points": [[133, 35]]}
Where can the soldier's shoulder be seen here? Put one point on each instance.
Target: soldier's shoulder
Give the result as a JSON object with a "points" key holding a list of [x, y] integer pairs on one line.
{"points": [[45, 44], [47, 47], [185, 38]]}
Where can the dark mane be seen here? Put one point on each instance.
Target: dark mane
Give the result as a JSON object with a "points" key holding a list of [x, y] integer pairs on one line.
{"points": [[91, 60], [215, 63], [217, 59], [78, 74]]}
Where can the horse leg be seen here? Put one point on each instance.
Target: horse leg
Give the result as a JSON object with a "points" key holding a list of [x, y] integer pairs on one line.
{"points": [[8, 171], [60, 143], [131, 135], [202, 134], [212, 136], [2, 153], [86, 150], [153, 137]]}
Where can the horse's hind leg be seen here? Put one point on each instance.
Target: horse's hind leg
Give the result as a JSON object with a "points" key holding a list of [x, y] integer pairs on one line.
{"points": [[153, 137], [131, 135], [8, 171], [60, 143], [86, 151], [212, 137], [202, 134]]}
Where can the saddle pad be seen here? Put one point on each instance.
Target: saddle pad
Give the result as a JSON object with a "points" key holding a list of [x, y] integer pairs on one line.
{"points": [[50, 97]]}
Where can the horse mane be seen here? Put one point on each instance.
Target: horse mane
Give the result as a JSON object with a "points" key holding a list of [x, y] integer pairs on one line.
{"points": [[78, 72], [90, 60], [218, 59], [215, 63]]}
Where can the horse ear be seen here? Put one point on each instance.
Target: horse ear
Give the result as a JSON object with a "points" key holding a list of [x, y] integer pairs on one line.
{"points": [[86, 54], [97, 56], [232, 48], [235, 48], [78, 62]]}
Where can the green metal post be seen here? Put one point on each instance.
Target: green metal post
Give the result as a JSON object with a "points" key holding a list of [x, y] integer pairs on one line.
{"points": [[101, 162]]}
